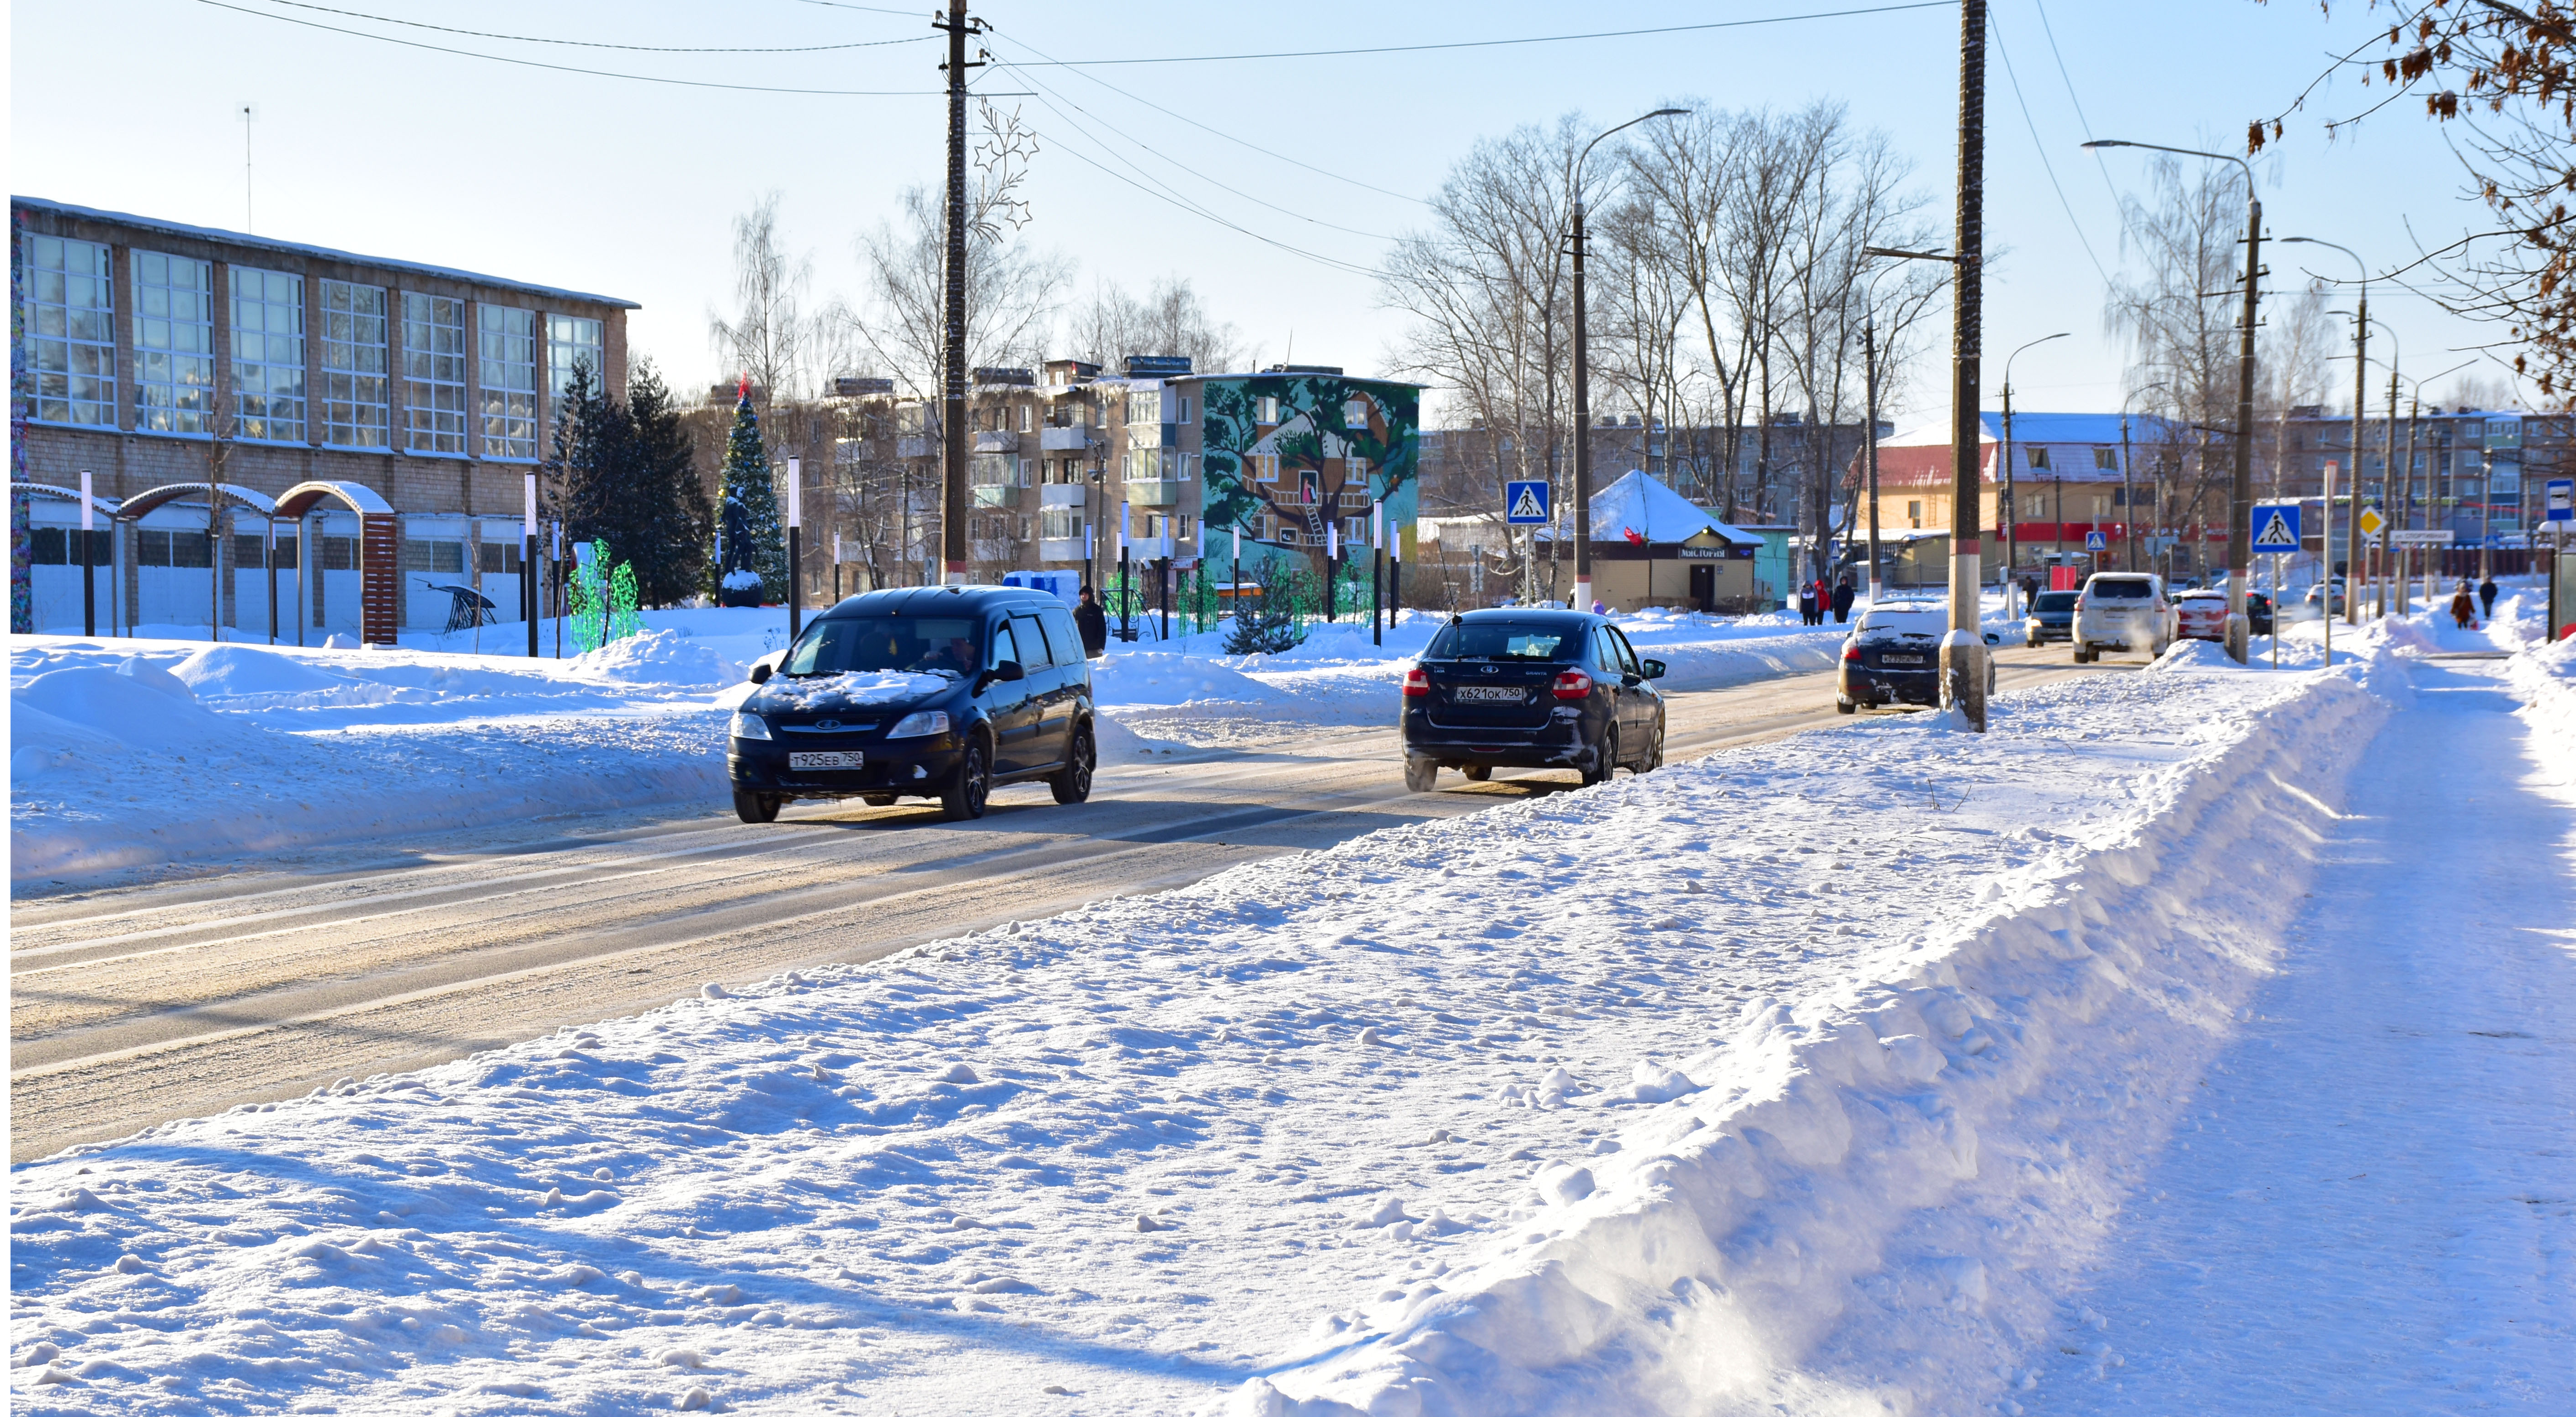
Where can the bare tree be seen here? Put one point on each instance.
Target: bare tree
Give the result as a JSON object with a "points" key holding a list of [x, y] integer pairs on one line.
{"points": [[1011, 295], [1171, 319], [2181, 343], [772, 337]]}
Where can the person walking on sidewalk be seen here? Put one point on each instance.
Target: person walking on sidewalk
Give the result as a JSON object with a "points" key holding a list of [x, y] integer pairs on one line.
{"points": [[2464, 607], [2486, 595], [1093, 623], [1844, 593], [1807, 604]]}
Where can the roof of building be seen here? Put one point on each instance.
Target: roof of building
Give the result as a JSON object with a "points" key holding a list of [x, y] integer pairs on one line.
{"points": [[2034, 428], [1641, 503], [270, 243]]}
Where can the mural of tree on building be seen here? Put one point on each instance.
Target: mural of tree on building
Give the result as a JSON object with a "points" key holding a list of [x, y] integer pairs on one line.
{"points": [[1327, 435]]}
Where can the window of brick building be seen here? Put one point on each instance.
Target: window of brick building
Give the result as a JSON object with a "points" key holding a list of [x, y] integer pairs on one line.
{"points": [[268, 354], [571, 339], [174, 342], [433, 343], [70, 312], [509, 382], [353, 366]]}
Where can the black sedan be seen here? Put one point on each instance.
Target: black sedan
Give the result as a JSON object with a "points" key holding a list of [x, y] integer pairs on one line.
{"points": [[1531, 689], [942, 692], [1893, 656], [2052, 617]]}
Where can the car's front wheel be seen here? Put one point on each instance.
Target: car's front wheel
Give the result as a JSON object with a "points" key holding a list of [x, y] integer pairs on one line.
{"points": [[1420, 773], [1074, 783], [1655, 751], [756, 807], [962, 798]]}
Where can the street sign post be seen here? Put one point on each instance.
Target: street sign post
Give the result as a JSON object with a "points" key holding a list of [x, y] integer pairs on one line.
{"points": [[2276, 528], [2440, 537], [1525, 503], [2562, 500], [2372, 524], [2096, 541]]}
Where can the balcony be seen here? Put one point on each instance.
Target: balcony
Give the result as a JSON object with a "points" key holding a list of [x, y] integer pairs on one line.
{"points": [[1064, 440], [1154, 492], [993, 440], [1062, 494], [914, 446], [1060, 548], [993, 495]]}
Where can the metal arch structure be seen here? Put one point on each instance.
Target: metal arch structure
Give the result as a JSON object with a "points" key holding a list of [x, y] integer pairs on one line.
{"points": [[378, 619], [143, 502], [104, 506]]}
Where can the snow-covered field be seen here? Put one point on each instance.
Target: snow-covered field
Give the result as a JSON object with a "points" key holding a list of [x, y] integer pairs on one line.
{"points": [[127, 754], [1807, 1078]]}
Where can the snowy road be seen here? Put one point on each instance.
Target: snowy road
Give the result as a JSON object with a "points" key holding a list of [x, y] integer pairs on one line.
{"points": [[2407, 1246], [131, 1007]]}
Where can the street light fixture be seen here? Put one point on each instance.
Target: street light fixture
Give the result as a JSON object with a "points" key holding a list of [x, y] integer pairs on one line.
{"points": [[1583, 380], [2360, 399], [2239, 548], [2011, 518]]}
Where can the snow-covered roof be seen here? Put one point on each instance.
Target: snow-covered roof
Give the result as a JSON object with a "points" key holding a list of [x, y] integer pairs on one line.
{"points": [[1644, 505], [2032, 428], [298, 248]]}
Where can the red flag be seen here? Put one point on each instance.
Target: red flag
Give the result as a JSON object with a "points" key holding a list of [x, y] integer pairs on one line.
{"points": [[1633, 538]]}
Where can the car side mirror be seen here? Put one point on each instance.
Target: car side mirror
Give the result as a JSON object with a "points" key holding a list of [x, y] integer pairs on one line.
{"points": [[1654, 668], [760, 674], [1009, 670]]}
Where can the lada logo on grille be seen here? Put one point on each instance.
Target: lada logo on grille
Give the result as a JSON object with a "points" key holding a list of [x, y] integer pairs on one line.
{"points": [[828, 723], [1489, 669]]}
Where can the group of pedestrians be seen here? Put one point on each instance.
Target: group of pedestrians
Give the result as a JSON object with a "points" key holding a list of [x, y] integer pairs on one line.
{"points": [[2465, 608], [1815, 598]]}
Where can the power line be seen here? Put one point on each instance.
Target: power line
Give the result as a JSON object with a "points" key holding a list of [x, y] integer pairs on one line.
{"points": [[2100, 163], [1229, 137], [597, 44], [1533, 39], [2044, 164], [571, 69], [1194, 172]]}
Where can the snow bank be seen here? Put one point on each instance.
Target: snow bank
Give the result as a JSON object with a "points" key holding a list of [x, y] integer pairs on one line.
{"points": [[657, 657], [1816, 1093]]}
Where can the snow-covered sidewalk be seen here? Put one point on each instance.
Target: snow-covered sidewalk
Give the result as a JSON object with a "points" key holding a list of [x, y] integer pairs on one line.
{"points": [[2371, 1203]]}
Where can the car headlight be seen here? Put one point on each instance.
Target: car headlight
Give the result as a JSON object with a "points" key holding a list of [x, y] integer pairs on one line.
{"points": [[920, 725], [750, 725]]}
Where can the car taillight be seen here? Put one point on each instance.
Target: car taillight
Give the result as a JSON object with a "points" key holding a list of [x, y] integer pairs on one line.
{"points": [[1572, 685], [1851, 651], [1416, 684]]}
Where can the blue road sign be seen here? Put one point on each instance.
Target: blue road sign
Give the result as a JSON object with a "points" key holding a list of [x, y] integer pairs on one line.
{"points": [[1525, 504], [2276, 528], [2096, 541], [2562, 500]]}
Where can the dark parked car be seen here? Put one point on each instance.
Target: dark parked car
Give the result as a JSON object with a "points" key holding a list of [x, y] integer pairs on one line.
{"points": [[1531, 689], [1893, 656], [943, 692], [2052, 617]]}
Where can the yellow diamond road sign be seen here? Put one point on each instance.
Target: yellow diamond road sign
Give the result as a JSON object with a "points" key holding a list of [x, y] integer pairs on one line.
{"points": [[2372, 523]]}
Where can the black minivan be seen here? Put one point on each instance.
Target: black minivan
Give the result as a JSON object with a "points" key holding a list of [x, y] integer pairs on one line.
{"points": [[1531, 689], [942, 691]]}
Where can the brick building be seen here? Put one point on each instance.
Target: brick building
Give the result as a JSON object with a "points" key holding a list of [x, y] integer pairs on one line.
{"points": [[163, 359]]}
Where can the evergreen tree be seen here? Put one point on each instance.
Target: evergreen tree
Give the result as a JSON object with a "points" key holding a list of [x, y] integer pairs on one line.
{"points": [[754, 536], [674, 520]]}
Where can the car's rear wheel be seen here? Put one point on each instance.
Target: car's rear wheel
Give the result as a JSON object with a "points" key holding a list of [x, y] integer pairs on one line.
{"points": [[756, 807], [963, 797], [1845, 706], [1476, 772], [1074, 783], [1605, 760], [1420, 773], [877, 799]]}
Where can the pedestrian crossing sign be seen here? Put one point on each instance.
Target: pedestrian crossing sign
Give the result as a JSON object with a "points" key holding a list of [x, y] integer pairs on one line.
{"points": [[2276, 528], [1525, 503]]}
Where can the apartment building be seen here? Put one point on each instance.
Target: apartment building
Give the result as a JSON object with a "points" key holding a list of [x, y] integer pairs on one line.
{"points": [[164, 359]]}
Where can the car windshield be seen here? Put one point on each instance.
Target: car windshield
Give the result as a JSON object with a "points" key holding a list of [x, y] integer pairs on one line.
{"points": [[1502, 639], [892, 644], [2108, 588], [1909, 621], [2056, 600]]}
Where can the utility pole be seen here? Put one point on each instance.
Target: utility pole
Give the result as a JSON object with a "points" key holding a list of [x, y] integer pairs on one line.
{"points": [[2352, 515], [2406, 521], [952, 528], [1963, 649], [1869, 397], [2007, 515], [2128, 499]]}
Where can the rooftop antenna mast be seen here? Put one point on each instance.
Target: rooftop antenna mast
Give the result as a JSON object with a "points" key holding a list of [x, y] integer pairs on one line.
{"points": [[248, 112]]}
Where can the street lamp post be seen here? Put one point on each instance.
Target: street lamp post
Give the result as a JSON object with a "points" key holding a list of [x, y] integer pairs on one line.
{"points": [[2128, 493], [2360, 401], [2007, 513], [1583, 381], [2239, 548]]}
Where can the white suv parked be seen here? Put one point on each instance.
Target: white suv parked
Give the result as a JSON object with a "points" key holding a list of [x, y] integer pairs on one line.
{"points": [[2122, 610]]}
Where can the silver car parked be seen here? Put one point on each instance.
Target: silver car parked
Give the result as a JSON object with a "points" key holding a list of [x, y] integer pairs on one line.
{"points": [[2124, 610]]}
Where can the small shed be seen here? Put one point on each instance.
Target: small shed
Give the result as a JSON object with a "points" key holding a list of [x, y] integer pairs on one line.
{"points": [[1652, 547]]}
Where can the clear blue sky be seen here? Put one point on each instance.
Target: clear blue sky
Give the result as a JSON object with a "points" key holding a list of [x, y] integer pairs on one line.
{"points": [[630, 188]]}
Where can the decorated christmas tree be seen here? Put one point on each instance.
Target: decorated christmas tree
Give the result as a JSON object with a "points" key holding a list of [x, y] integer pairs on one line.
{"points": [[753, 568]]}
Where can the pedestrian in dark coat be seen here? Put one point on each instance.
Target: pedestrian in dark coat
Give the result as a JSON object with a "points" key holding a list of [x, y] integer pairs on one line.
{"points": [[1807, 604], [1094, 625], [2464, 607], [2487, 594], [1844, 593]]}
